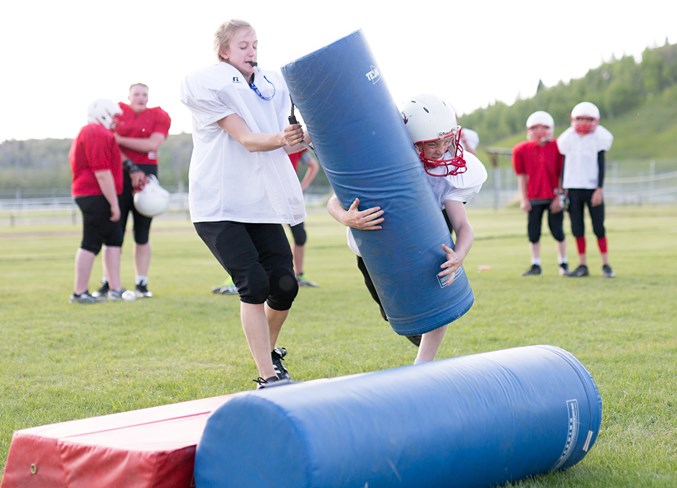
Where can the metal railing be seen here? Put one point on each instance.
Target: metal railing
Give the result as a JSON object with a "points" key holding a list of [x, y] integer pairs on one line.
{"points": [[634, 183]]}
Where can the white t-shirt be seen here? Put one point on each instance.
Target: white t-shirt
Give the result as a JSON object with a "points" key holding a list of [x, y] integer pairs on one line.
{"points": [[460, 188], [226, 181], [580, 156]]}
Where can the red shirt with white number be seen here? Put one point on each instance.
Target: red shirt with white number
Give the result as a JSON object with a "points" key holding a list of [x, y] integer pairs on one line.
{"points": [[142, 125]]}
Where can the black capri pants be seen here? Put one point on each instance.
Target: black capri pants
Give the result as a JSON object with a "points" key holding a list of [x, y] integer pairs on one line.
{"points": [[299, 234], [578, 200], [535, 221], [257, 257], [97, 227]]}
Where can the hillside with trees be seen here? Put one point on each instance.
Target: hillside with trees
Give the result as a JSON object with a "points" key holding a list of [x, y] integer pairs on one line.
{"points": [[637, 99]]}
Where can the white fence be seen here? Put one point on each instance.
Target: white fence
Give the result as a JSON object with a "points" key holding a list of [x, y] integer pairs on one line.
{"points": [[626, 183]]}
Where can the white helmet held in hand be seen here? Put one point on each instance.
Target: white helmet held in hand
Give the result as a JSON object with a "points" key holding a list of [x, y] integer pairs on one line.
{"points": [[104, 112], [429, 119], [153, 199]]}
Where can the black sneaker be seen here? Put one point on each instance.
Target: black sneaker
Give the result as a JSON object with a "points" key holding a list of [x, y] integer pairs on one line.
{"points": [[277, 356], [535, 270], [580, 271], [84, 298], [271, 382], [608, 272], [103, 291], [563, 269], [142, 290]]}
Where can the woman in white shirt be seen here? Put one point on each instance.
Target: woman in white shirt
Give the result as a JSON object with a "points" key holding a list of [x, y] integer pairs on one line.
{"points": [[242, 188]]}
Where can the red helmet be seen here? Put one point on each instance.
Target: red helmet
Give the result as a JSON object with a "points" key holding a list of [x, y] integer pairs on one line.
{"points": [[430, 120]]}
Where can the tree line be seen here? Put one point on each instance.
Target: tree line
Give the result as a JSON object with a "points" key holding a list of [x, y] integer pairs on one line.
{"points": [[633, 96], [617, 87]]}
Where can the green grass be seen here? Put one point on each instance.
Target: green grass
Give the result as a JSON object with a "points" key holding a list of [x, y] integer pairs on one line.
{"points": [[61, 362]]}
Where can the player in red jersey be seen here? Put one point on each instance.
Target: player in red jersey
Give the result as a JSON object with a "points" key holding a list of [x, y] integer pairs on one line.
{"points": [[538, 165], [96, 165], [139, 132]]}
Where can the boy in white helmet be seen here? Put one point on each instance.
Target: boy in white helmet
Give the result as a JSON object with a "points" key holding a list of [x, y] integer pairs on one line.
{"points": [[538, 165], [96, 165], [455, 178], [584, 146]]}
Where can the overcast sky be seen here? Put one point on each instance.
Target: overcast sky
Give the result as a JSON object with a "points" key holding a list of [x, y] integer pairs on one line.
{"points": [[58, 56]]}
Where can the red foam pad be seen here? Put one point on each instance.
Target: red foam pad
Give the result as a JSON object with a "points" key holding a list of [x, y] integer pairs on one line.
{"points": [[151, 447]]}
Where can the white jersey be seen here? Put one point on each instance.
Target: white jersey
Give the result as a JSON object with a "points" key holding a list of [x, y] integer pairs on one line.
{"points": [[462, 187], [226, 181], [469, 139], [459, 188], [580, 156]]}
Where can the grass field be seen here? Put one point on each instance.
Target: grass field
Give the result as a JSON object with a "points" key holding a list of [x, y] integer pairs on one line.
{"points": [[60, 362]]}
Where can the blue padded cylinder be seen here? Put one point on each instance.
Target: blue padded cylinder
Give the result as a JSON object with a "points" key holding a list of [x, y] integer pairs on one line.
{"points": [[478, 420], [366, 152]]}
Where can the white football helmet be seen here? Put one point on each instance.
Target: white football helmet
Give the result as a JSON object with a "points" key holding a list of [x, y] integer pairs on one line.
{"points": [[429, 119], [540, 118], [587, 110], [104, 112], [153, 199]]}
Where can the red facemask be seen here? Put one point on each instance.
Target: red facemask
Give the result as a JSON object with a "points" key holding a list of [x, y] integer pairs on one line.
{"points": [[584, 127], [453, 166]]}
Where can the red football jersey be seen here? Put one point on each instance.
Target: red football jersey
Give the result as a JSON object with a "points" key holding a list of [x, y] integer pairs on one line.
{"points": [[141, 125], [542, 165], [94, 149]]}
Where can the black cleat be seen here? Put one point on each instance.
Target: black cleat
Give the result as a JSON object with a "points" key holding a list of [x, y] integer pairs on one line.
{"points": [[277, 355], [608, 272], [84, 298], [271, 382], [102, 292], [579, 272], [535, 270]]}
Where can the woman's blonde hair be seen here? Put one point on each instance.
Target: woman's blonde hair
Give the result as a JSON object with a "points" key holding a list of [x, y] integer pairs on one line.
{"points": [[225, 33]]}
